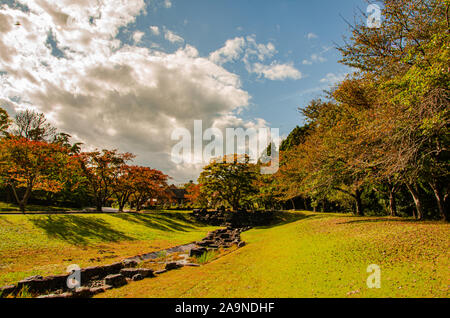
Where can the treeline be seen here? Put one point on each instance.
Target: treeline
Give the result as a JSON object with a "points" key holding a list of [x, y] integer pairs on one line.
{"points": [[40, 164], [377, 142], [380, 138]]}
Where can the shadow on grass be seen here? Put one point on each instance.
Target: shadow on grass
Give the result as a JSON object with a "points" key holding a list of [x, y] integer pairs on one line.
{"points": [[172, 222], [282, 218], [79, 230]]}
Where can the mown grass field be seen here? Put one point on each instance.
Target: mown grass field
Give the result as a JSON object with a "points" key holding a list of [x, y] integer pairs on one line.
{"points": [[318, 255], [47, 244], [8, 207]]}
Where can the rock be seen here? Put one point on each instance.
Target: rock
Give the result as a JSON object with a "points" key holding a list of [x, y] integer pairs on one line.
{"points": [[137, 277], [197, 251], [39, 284], [192, 265], [53, 296], [130, 272], [241, 244], [162, 271], [98, 290], [115, 280], [205, 243], [7, 290], [172, 265], [82, 292], [128, 263], [99, 272]]}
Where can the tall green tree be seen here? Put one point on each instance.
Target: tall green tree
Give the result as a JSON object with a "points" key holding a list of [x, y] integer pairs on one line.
{"points": [[230, 179]]}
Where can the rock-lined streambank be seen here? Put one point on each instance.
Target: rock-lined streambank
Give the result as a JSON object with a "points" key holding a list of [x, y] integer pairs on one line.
{"points": [[98, 279]]}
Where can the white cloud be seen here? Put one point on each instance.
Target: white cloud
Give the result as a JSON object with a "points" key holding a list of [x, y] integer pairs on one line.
{"points": [[315, 58], [332, 78], [311, 36], [137, 36], [172, 37], [167, 4], [252, 54], [107, 94], [155, 29], [231, 51], [276, 71]]}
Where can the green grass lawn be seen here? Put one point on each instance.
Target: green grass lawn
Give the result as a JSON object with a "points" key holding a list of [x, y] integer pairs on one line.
{"points": [[318, 255], [47, 244]]}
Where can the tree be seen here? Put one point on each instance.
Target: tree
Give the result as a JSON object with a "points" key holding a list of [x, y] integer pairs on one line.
{"points": [[27, 165], [407, 59], [230, 180], [194, 195], [4, 121], [33, 126], [148, 184], [100, 169], [123, 184]]}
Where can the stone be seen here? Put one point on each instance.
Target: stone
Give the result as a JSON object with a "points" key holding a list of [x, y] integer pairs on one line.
{"points": [[115, 280], [54, 296], [7, 290], [241, 244], [82, 292], [130, 272], [205, 243], [172, 265], [128, 263], [192, 265], [99, 272], [162, 271], [39, 284], [197, 252], [98, 290], [137, 277]]}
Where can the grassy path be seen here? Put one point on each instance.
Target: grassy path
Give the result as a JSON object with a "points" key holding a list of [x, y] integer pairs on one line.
{"points": [[318, 256], [47, 244]]}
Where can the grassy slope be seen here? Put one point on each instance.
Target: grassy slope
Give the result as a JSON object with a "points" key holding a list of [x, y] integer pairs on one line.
{"points": [[8, 207], [318, 256], [47, 244]]}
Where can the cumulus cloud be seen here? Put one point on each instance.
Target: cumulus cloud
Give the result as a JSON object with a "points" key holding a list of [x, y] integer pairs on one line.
{"points": [[333, 79], [231, 51], [105, 93], [137, 36], [277, 72], [315, 58], [252, 54], [311, 36], [155, 29], [172, 37]]}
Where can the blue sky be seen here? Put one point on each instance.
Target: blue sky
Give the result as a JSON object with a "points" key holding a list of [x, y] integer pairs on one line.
{"points": [[125, 74], [207, 24]]}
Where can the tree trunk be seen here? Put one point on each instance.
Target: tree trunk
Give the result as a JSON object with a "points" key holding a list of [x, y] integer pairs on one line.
{"points": [[415, 195], [98, 205], [392, 203], [359, 205], [439, 200], [293, 204]]}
